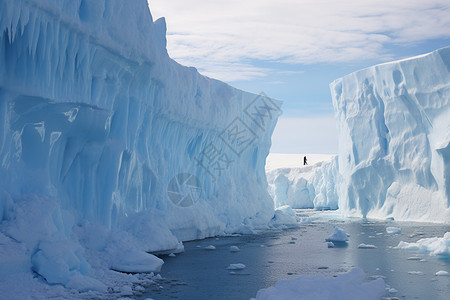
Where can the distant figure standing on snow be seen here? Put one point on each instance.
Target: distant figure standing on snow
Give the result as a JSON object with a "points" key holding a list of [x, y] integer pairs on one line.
{"points": [[305, 161]]}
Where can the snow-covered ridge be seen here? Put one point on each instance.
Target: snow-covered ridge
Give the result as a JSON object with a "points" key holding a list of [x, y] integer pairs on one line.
{"points": [[394, 139], [303, 186], [96, 123]]}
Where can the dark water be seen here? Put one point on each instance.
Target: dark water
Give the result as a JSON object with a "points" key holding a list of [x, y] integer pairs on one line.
{"points": [[201, 274]]}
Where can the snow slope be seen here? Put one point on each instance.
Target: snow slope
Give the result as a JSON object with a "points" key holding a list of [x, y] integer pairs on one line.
{"points": [[394, 139], [109, 149], [310, 186]]}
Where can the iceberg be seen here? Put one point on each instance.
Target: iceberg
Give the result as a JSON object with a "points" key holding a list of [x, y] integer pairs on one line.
{"points": [[109, 149], [394, 139], [311, 186], [434, 245], [338, 236]]}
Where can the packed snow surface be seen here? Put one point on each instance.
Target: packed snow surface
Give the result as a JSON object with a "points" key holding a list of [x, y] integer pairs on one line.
{"points": [[434, 246], [346, 286], [110, 150], [394, 139], [290, 161]]}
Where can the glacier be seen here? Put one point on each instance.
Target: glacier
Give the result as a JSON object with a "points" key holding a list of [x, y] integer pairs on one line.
{"points": [[103, 135], [394, 139], [393, 123], [313, 186]]}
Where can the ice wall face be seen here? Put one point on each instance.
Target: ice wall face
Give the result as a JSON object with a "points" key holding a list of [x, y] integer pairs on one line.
{"points": [[394, 139], [313, 186], [96, 120]]}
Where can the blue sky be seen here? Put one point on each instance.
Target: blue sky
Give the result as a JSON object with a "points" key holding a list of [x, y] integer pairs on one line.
{"points": [[292, 50]]}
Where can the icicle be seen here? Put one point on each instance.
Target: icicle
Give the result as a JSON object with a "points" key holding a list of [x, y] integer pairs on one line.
{"points": [[14, 24], [35, 35], [31, 23], [24, 18]]}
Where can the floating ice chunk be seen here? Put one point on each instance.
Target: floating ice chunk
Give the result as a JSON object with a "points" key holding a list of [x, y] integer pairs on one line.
{"points": [[416, 273], [172, 255], [136, 261], [85, 283], [210, 247], [305, 220], [126, 290], [392, 291], [236, 267], [346, 286], [234, 249], [339, 236], [284, 217], [331, 245], [393, 230], [366, 246], [441, 273], [435, 245]]}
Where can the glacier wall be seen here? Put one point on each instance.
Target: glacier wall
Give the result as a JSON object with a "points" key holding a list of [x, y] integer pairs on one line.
{"points": [[97, 121], [313, 186], [394, 139]]}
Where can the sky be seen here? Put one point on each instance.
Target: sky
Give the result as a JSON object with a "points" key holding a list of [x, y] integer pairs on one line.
{"points": [[292, 50]]}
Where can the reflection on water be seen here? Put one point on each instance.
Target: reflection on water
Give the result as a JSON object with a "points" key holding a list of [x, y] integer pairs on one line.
{"points": [[275, 255]]}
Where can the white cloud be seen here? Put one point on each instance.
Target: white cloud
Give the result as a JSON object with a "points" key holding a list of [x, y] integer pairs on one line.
{"points": [[222, 38], [305, 135]]}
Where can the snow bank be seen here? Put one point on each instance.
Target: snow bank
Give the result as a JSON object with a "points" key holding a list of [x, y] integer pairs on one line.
{"points": [[346, 286], [435, 245], [394, 139], [310, 186], [109, 149]]}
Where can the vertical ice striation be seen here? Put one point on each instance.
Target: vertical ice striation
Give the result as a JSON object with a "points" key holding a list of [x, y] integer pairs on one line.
{"points": [[312, 186], [394, 139], [96, 120]]}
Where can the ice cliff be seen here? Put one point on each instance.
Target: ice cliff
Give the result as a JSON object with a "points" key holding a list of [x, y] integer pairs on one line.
{"points": [[312, 186], [109, 149], [394, 146], [394, 139]]}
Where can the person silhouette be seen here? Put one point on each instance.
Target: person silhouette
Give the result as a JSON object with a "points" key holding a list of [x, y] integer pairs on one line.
{"points": [[305, 161]]}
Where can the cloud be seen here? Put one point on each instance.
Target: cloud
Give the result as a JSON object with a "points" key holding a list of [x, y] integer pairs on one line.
{"points": [[223, 39], [305, 135]]}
